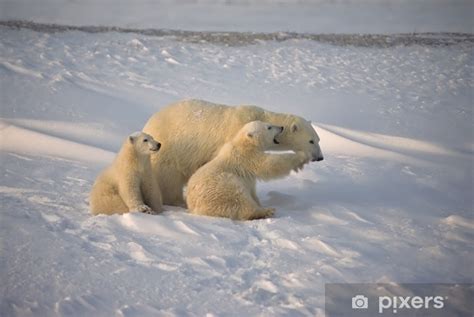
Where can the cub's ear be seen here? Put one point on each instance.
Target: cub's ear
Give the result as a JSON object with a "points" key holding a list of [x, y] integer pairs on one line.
{"points": [[131, 138], [294, 127]]}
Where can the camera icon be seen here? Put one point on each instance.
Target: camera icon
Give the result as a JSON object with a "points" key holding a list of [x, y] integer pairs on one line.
{"points": [[360, 302]]}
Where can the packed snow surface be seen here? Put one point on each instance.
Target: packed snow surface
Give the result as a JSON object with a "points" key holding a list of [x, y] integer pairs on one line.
{"points": [[392, 201]]}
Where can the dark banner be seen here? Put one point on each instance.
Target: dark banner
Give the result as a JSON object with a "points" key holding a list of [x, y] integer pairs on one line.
{"points": [[399, 300]]}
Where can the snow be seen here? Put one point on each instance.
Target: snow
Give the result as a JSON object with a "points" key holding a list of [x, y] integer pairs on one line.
{"points": [[19, 140], [392, 201]]}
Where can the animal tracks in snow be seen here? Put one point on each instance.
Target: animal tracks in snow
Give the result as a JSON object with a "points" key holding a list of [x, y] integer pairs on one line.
{"points": [[157, 226]]}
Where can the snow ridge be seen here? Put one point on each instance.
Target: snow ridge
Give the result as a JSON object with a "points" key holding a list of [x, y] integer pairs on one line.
{"points": [[247, 38]]}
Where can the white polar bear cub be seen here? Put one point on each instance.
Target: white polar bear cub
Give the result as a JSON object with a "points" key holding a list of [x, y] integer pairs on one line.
{"points": [[128, 185], [226, 186]]}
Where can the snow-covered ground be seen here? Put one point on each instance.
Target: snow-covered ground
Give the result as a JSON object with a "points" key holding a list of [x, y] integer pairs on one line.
{"points": [[392, 201]]}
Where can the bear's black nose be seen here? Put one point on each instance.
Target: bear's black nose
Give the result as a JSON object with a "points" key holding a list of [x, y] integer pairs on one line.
{"points": [[319, 159], [158, 145]]}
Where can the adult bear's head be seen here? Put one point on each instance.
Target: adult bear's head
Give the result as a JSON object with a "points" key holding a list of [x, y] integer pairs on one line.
{"points": [[299, 135]]}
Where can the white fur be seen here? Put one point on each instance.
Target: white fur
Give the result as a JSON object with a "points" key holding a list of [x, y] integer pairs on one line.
{"points": [[128, 185], [226, 186], [193, 132]]}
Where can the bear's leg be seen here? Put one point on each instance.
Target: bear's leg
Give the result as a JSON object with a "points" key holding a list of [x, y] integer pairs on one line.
{"points": [[155, 201], [152, 195], [249, 209], [130, 190], [279, 165], [170, 182], [253, 192]]}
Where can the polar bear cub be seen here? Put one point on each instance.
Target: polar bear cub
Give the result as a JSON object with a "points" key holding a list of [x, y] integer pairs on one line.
{"points": [[226, 186], [127, 185]]}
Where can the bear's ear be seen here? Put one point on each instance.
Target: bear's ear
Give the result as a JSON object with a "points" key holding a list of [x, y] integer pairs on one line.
{"points": [[294, 127], [131, 138]]}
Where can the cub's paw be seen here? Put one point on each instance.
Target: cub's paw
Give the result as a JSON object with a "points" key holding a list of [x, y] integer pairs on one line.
{"points": [[301, 159], [263, 213], [153, 212], [269, 212], [144, 208]]}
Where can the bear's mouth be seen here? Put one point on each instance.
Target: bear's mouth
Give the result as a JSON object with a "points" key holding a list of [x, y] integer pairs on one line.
{"points": [[156, 148], [275, 141]]}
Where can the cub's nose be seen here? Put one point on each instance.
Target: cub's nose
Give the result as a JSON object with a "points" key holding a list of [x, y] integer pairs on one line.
{"points": [[156, 148], [319, 159]]}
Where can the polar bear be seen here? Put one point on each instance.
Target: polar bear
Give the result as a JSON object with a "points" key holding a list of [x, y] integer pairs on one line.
{"points": [[193, 131], [128, 185], [226, 186]]}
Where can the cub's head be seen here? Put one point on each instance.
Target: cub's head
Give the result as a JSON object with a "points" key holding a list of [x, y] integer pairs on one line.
{"points": [[301, 136], [261, 134], [143, 143]]}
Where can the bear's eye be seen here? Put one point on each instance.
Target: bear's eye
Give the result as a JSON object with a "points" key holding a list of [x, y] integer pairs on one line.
{"points": [[312, 142], [145, 140], [269, 128]]}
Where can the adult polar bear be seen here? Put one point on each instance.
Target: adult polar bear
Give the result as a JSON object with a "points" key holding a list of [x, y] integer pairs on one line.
{"points": [[193, 131]]}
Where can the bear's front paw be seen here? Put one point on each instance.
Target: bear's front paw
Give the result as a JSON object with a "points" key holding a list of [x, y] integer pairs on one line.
{"points": [[302, 159], [152, 212], [262, 213], [269, 212], [144, 208], [266, 212]]}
